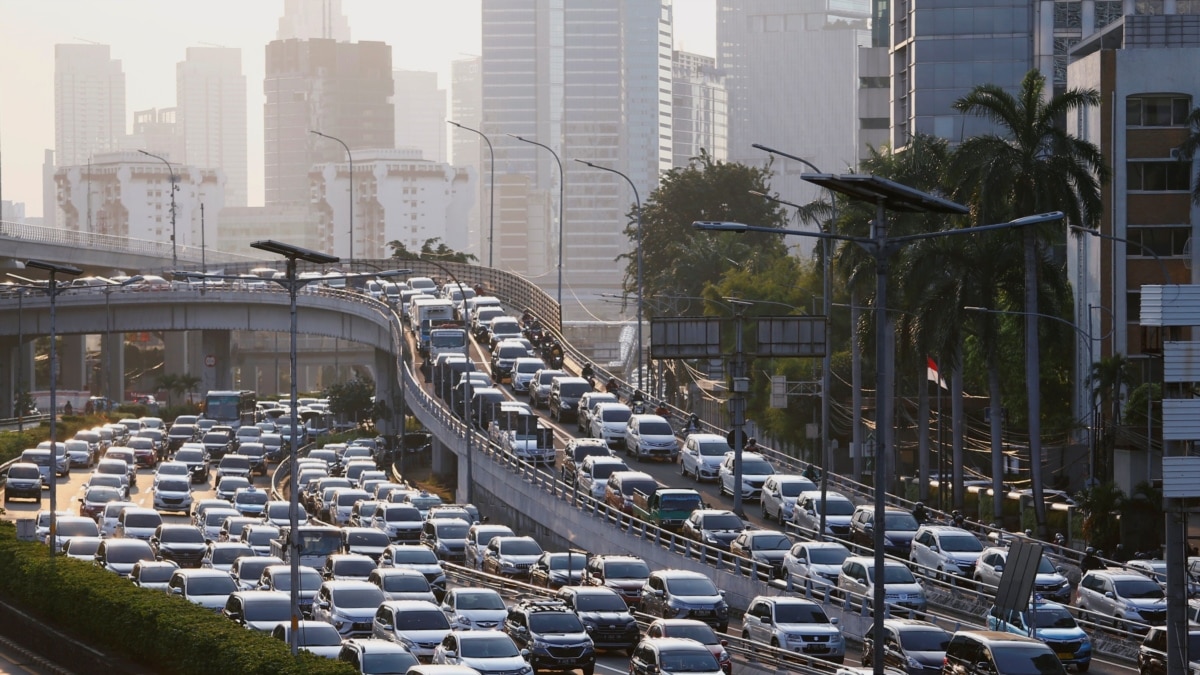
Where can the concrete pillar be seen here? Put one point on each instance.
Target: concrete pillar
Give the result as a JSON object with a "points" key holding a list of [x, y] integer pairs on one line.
{"points": [[445, 462], [72, 363], [387, 389], [112, 366], [175, 353], [216, 371], [8, 375]]}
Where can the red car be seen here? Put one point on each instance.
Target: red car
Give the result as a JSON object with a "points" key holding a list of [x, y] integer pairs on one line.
{"points": [[96, 497]]}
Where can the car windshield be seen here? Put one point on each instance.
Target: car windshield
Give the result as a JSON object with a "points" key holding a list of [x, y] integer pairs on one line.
{"points": [[960, 543], [256, 497], [838, 507], [94, 495], [799, 613], [367, 538], [600, 602], [388, 662], [1138, 589], [215, 517], [655, 428], [234, 462], [173, 486], [647, 486], [452, 530], [697, 660], [894, 574], [547, 376], [555, 622], [770, 542], [82, 546], [358, 597], [1013, 659], [219, 439], [1046, 567], [310, 580], [574, 390], [319, 636], [189, 456], [1051, 617], [156, 574], [402, 515], [602, 470], [924, 640], [142, 520], [181, 535], [405, 583], [421, 620], [214, 585], [422, 556], [129, 554], [483, 646], [627, 570], [619, 415], [511, 351], [268, 609], [714, 448], [793, 488], [900, 521], [479, 600], [723, 521], [520, 547], [679, 502], [77, 528], [573, 561], [353, 567], [225, 555], [827, 556], [425, 502], [756, 467], [691, 586], [452, 339], [528, 366], [260, 536]]}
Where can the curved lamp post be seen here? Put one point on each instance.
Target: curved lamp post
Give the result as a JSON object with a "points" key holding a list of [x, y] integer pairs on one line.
{"points": [[174, 187], [561, 183], [349, 258], [491, 190], [638, 200]]}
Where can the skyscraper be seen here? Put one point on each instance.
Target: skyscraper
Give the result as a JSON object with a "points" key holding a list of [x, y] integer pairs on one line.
{"points": [[89, 102], [211, 115], [465, 108], [308, 19], [699, 109], [420, 113], [342, 89]]}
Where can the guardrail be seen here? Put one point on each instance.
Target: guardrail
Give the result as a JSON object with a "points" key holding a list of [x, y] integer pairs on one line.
{"points": [[109, 242]]}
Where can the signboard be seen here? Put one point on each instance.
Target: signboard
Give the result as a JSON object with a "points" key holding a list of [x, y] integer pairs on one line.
{"points": [[790, 336], [1020, 572], [210, 360], [685, 337]]}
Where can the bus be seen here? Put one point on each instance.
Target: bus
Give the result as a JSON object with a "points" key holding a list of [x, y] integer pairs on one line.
{"points": [[230, 408]]}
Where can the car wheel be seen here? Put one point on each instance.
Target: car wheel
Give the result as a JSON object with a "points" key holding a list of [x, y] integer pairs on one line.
{"points": [[590, 670], [775, 643], [1119, 625], [682, 469], [745, 634], [763, 511]]}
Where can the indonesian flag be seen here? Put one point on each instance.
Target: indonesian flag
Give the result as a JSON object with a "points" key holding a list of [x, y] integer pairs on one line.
{"points": [[931, 373]]}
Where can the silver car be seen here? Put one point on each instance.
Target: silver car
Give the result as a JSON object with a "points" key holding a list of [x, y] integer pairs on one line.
{"points": [[814, 564], [901, 590], [794, 624], [779, 494], [1126, 597], [702, 455]]}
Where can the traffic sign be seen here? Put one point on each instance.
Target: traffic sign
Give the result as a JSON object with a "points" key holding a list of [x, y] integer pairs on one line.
{"points": [[210, 360]]}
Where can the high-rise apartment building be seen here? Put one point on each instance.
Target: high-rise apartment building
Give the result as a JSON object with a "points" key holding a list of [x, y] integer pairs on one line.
{"points": [[310, 19], [155, 130], [466, 146], [211, 115], [89, 102], [699, 109], [342, 89], [812, 111], [420, 113]]}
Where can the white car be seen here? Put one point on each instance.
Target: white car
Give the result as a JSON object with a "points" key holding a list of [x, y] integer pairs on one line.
{"points": [[779, 494], [470, 608], [487, 652], [593, 474], [950, 551], [523, 370], [755, 471], [173, 493], [806, 514], [349, 605], [794, 624], [607, 422], [477, 540], [702, 455], [650, 437], [815, 564], [417, 624]]}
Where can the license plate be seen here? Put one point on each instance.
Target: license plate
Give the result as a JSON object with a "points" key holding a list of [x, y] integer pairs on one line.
{"points": [[816, 649], [702, 612], [1066, 655], [565, 661]]}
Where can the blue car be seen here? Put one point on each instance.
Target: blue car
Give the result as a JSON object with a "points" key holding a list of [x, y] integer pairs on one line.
{"points": [[1051, 623]]}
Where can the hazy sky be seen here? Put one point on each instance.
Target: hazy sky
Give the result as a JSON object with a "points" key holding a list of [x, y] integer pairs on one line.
{"points": [[150, 36]]}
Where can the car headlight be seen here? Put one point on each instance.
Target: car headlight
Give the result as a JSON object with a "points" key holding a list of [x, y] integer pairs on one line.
{"points": [[539, 644], [464, 620], [887, 541], [709, 539], [914, 664], [408, 642], [1133, 609]]}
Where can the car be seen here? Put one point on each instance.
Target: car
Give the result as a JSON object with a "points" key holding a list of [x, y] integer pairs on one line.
{"points": [[349, 605], [371, 656], [899, 529], [565, 392], [341, 503], [347, 566], [511, 557], [220, 555], [838, 508], [478, 537], [94, 498], [81, 548], [211, 519], [196, 459], [1152, 653], [277, 512], [910, 646], [489, 652], [400, 522], [247, 570], [504, 329], [217, 444], [118, 481], [713, 527], [250, 501], [258, 610], [814, 565], [972, 652], [256, 453], [539, 386], [504, 358], [765, 547], [152, 574], [228, 486], [1051, 582], [555, 569], [473, 608], [575, 451], [1051, 623], [592, 475], [794, 624], [173, 493], [258, 536], [418, 625], [71, 526], [550, 636], [233, 526], [523, 370], [755, 471], [181, 544], [607, 421], [316, 637], [625, 574], [417, 557], [604, 613], [671, 656], [233, 465], [901, 590], [279, 578], [684, 594], [171, 468], [398, 583], [179, 434], [108, 517], [113, 467], [946, 551], [208, 588], [691, 629], [447, 538], [619, 489], [649, 436], [366, 541], [79, 453], [136, 522], [24, 482], [1127, 600], [701, 456], [120, 555]]}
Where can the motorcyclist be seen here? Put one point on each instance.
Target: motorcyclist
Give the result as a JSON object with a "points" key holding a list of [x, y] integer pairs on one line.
{"points": [[692, 425], [526, 318], [611, 386], [751, 445], [1090, 561], [588, 373], [662, 410], [1120, 554], [637, 402], [920, 513]]}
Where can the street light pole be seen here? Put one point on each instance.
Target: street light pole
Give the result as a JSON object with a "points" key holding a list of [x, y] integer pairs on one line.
{"points": [[174, 187], [52, 290], [491, 191], [561, 183], [350, 156], [292, 283], [638, 200]]}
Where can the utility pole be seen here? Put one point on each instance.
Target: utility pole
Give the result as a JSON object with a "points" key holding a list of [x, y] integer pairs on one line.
{"points": [[739, 385]]}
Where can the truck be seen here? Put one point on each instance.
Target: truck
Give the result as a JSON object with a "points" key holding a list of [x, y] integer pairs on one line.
{"points": [[449, 338], [427, 315], [666, 507]]}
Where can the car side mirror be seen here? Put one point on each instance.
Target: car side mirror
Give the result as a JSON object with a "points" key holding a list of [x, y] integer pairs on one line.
{"points": [[451, 654], [724, 643], [802, 561], [998, 568], [722, 592], [525, 654], [176, 591], [386, 626], [1061, 570], [1109, 594], [833, 620], [933, 548]]}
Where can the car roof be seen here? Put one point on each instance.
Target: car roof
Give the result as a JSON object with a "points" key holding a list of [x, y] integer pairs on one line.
{"points": [[675, 644], [680, 574]]}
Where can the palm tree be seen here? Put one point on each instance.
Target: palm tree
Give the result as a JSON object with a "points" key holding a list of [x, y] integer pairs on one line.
{"points": [[1031, 165]]}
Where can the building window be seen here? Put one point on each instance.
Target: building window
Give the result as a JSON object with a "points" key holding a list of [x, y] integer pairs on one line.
{"points": [[1107, 11], [1133, 306], [1158, 176], [1157, 111], [1149, 7], [1167, 241], [876, 123], [1067, 15]]}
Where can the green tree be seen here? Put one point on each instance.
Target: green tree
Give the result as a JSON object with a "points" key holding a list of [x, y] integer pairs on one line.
{"points": [[1030, 165], [352, 400], [680, 261], [1110, 379], [432, 249]]}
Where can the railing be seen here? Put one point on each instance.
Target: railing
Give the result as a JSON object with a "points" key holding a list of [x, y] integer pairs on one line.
{"points": [[114, 243]]}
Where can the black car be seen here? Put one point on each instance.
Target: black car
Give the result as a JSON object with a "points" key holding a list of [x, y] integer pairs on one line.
{"points": [[1152, 655], [217, 443], [197, 463], [899, 528], [182, 544], [554, 636], [683, 594], [713, 527], [911, 646], [180, 434], [604, 612]]}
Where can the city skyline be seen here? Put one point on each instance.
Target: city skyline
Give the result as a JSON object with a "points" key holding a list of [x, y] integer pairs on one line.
{"points": [[423, 36]]}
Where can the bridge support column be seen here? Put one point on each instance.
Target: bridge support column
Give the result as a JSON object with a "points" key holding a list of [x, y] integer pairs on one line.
{"points": [[445, 462], [387, 389], [215, 349], [72, 365], [9, 386], [176, 353], [112, 366]]}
